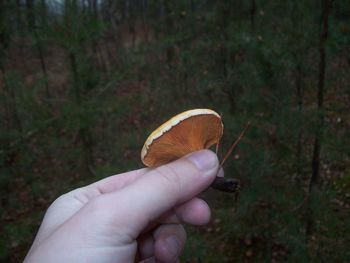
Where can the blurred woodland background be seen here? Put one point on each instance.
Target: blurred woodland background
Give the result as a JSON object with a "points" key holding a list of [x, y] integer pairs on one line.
{"points": [[83, 83]]}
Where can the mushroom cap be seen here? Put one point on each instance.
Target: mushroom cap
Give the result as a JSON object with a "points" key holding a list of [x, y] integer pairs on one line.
{"points": [[186, 132]]}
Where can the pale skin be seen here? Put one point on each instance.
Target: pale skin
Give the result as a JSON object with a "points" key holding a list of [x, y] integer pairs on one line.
{"points": [[136, 216]]}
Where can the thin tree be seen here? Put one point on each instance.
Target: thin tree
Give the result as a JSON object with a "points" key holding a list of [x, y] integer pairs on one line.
{"points": [[314, 180], [12, 119], [224, 15], [323, 36], [298, 56], [169, 24], [72, 44], [252, 14], [31, 20], [299, 76]]}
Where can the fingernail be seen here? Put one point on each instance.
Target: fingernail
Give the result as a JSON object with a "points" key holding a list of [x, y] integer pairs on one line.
{"points": [[173, 245], [221, 173], [204, 160]]}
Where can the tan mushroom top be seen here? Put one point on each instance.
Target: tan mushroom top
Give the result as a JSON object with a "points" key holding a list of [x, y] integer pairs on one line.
{"points": [[187, 132]]}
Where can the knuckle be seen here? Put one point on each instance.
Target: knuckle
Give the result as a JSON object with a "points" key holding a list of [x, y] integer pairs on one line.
{"points": [[182, 233], [97, 203], [170, 178], [81, 195], [59, 201], [97, 206], [99, 209]]}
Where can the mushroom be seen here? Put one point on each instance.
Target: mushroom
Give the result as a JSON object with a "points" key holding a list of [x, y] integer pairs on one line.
{"points": [[187, 132]]}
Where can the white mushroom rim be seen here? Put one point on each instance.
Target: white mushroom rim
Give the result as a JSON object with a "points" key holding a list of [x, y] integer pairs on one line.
{"points": [[171, 123]]}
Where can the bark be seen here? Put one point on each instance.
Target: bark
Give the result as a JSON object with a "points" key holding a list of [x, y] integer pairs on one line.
{"points": [[299, 95], [327, 4], [170, 51], [98, 54], [224, 17], [74, 68], [193, 6], [12, 119], [252, 14], [31, 19], [317, 146], [12, 116], [83, 133]]}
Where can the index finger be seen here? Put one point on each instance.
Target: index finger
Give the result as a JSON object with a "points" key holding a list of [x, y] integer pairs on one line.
{"points": [[118, 181]]}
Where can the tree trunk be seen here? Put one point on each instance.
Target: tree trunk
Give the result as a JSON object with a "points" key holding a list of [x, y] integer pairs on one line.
{"points": [[31, 19], [299, 95], [224, 17], [74, 68], [252, 15], [298, 57], [83, 133], [320, 93], [12, 120], [170, 51], [314, 180]]}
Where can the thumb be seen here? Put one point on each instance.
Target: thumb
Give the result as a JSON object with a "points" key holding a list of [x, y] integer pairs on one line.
{"points": [[158, 191]]}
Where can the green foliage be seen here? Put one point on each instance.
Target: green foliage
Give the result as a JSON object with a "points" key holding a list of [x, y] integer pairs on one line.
{"points": [[117, 72]]}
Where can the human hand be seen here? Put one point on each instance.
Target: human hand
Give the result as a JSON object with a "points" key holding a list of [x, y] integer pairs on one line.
{"points": [[131, 217]]}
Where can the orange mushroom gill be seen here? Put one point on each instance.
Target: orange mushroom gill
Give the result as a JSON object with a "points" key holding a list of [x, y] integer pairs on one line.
{"points": [[187, 132]]}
